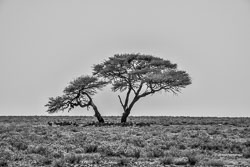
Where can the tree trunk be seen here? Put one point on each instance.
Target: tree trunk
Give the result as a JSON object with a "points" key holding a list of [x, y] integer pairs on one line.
{"points": [[125, 115], [97, 114]]}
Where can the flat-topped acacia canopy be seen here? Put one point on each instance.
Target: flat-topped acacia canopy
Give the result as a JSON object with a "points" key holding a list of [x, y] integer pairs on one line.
{"points": [[140, 75], [77, 93]]}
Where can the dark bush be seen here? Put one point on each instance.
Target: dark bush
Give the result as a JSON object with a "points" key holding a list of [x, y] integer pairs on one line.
{"points": [[182, 147], [59, 163], [73, 158], [3, 163], [123, 162], [137, 153], [192, 159], [19, 145], [92, 148], [247, 143], [236, 148], [167, 161], [155, 152], [212, 146], [46, 161], [246, 153]]}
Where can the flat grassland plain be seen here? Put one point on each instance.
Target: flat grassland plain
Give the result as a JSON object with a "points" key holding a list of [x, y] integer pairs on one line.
{"points": [[144, 141]]}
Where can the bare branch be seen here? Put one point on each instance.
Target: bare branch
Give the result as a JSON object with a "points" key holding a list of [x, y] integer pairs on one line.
{"points": [[121, 102]]}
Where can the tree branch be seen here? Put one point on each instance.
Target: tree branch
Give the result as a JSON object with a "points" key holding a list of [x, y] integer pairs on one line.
{"points": [[151, 92], [139, 89], [121, 102], [136, 98], [127, 98], [90, 99], [84, 105]]}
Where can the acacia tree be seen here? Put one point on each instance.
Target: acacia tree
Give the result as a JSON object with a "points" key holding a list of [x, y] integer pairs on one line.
{"points": [[140, 75], [79, 92]]}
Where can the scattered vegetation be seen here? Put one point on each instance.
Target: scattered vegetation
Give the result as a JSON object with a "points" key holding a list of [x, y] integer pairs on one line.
{"points": [[185, 141]]}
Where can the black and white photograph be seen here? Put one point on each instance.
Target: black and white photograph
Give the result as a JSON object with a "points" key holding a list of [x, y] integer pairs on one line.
{"points": [[124, 83]]}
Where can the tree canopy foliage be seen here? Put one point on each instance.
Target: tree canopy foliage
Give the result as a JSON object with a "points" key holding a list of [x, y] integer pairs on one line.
{"points": [[79, 92], [140, 75]]}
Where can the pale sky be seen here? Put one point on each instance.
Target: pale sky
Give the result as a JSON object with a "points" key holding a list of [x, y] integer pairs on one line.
{"points": [[47, 43]]}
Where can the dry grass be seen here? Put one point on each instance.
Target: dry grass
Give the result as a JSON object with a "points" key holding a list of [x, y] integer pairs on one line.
{"points": [[30, 141]]}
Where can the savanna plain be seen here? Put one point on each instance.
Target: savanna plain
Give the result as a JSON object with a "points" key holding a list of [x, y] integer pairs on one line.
{"points": [[63, 141]]}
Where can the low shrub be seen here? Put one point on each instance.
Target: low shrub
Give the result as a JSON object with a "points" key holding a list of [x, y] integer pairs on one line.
{"points": [[109, 150], [20, 145], [166, 161], [137, 153], [212, 146], [79, 150], [137, 141], [73, 158], [192, 159], [4, 130], [123, 162], [59, 163], [182, 147], [3, 163], [92, 148], [58, 154], [45, 161], [69, 147], [75, 130], [40, 149], [235, 148], [6, 154], [155, 153], [215, 163], [40, 131], [181, 161], [246, 153], [174, 152], [247, 143], [91, 157], [121, 150], [176, 130], [96, 161], [132, 151], [191, 156], [195, 144]]}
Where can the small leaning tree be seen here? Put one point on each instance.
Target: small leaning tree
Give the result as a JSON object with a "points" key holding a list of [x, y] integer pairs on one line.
{"points": [[140, 75], [79, 92]]}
